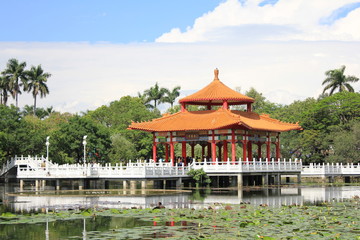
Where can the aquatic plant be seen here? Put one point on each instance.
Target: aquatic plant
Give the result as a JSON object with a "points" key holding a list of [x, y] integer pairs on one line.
{"points": [[328, 220]]}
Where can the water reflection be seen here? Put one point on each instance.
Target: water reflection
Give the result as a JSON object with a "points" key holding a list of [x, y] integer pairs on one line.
{"points": [[47, 230], [197, 199]]}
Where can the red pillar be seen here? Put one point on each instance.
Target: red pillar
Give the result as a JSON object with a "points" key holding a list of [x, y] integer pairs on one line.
{"points": [[259, 150], [209, 150], [220, 157], [172, 152], [213, 147], [268, 149], [193, 150], [244, 143], [233, 146], [183, 107], [278, 154], [250, 155], [183, 151], [225, 150], [166, 152], [202, 152], [248, 109], [225, 105], [154, 147]]}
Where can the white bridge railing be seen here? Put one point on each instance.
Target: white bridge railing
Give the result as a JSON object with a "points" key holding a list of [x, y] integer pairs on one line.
{"points": [[131, 170], [249, 166], [33, 162], [327, 169], [39, 167]]}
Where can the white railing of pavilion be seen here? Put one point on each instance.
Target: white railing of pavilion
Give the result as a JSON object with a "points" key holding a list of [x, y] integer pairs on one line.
{"points": [[249, 166]]}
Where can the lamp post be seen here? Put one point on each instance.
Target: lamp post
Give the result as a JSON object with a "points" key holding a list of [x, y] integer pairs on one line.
{"points": [[84, 143], [47, 148]]}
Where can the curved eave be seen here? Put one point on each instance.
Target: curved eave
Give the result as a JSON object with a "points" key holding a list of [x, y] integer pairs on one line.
{"points": [[264, 123]]}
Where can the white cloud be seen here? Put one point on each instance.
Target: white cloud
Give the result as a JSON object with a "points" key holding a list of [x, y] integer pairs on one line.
{"points": [[85, 76], [288, 20]]}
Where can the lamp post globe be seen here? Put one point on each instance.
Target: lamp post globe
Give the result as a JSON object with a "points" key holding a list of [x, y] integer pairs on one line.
{"points": [[47, 148], [84, 143]]}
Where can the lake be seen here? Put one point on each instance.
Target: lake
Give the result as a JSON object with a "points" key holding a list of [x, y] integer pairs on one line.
{"points": [[116, 227]]}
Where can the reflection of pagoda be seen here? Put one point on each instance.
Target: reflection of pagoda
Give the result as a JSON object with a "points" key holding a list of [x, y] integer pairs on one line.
{"points": [[218, 127]]}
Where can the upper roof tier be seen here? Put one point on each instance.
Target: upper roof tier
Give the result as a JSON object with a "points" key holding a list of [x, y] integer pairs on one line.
{"points": [[216, 93]]}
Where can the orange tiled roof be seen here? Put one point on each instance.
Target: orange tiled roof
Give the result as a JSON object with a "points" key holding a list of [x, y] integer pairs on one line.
{"points": [[215, 93], [213, 119]]}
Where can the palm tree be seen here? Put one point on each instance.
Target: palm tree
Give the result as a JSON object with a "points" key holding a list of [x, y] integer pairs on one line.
{"points": [[146, 101], [49, 110], [4, 89], [336, 79], [37, 83], [155, 93], [15, 71], [170, 96]]}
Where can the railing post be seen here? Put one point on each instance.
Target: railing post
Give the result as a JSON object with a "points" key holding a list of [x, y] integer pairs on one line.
{"points": [[284, 165], [267, 165], [260, 164], [290, 164]]}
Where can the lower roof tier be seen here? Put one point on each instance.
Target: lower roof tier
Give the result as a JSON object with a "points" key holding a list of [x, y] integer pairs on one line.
{"points": [[214, 119]]}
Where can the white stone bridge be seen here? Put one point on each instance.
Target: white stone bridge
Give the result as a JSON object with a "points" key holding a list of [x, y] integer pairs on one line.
{"points": [[39, 168]]}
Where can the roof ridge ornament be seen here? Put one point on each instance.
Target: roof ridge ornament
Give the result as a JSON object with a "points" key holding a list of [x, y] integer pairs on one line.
{"points": [[216, 74]]}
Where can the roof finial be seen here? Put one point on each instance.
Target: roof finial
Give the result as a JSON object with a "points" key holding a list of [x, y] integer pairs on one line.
{"points": [[216, 74]]}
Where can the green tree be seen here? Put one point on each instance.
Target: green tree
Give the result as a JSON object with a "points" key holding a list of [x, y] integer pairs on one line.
{"points": [[119, 114], [145, 99], [122, 148], [117, 117], [41, 113], [10, 123], [170, 96], [69, 137], [336, 109], [31, 136], [318, 118], [155, 94], [335, 79], [200, 177], [345, 143], [4, 89], [16, 73], [37, 79]]}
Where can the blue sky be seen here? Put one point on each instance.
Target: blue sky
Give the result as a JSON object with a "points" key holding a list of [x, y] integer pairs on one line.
{"points": [[115, 21], [99, 51]]}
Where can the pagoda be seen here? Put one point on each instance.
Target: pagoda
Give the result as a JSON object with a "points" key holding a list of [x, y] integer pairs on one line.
{"points": [[217, 127]]}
